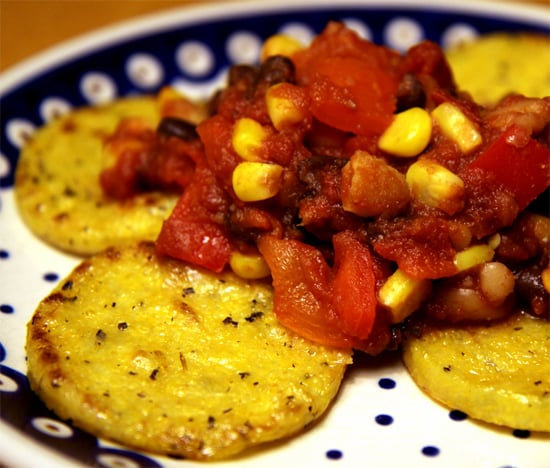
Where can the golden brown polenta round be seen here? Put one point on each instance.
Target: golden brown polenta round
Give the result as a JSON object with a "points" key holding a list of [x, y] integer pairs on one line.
{"points": [[57, 186], [498, 373], [163, 357], [494, 65]]}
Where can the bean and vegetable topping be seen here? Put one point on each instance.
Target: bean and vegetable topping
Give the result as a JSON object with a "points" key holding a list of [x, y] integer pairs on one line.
{"points": [[364, 182]]}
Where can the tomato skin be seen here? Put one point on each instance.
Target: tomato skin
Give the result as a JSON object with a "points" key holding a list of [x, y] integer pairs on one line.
{"points": [[352, 97], [354, 285], [422, 247], [335, 307], [351, 83], [302, 283], [520, 164], [215, 134]]}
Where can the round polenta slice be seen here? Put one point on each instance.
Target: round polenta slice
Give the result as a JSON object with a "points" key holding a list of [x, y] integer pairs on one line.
{"points": [[493, 65], [498, 373], [162, 357], [57, 186]]}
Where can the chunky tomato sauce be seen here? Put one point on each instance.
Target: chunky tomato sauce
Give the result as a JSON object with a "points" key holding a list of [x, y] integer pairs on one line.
{"points": [[348, 220]]}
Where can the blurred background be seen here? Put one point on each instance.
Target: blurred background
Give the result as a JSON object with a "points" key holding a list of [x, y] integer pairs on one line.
{"points": [[30, 26]]}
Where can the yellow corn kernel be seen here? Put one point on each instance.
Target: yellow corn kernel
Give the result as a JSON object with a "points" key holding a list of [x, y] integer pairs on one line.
{"points": [[280, 44], [545, 276], [434, 185], [402, 295], [456, 126], [282, 110], [472, 256], [247, 138], [248, 266], [408, 134], [255, 181], [168, 93]]}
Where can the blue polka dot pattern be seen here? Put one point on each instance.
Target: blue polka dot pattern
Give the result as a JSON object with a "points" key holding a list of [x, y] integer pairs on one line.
{"points": [[51, 277], [334, 454], [190, 56], [430, 451], [384, 419], [6, 309], [386, 383], [457, 415]]}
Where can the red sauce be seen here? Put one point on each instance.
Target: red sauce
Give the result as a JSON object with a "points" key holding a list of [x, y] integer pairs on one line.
{"points": [[329, 263]]}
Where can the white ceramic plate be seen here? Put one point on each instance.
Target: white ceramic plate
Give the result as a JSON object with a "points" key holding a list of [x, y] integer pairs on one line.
{"points": [[380, 418]]}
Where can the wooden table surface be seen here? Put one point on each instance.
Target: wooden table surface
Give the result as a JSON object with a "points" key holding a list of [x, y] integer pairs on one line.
{"points": [[30, 26]]}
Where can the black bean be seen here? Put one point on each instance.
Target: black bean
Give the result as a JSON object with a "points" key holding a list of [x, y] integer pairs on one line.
{"points": [[243, 75], [277, 69], [410, 93], [179, 128]]}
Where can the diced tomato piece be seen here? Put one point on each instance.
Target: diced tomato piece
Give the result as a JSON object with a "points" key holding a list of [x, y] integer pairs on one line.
{"points": [[145, 162], [351, 82], [193, 232], [354, 285], [302, 283], [215, 133], [200, 243], [335, 307], [422, 247], [523, 166], [350, 96]]}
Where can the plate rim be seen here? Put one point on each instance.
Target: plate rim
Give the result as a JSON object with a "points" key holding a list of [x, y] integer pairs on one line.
{"points": [[182, 15]]}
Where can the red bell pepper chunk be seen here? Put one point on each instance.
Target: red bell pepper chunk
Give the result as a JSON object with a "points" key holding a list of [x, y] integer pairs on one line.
{"points": [[192, 232], [523, 166], [199, 243], [354, 284]]}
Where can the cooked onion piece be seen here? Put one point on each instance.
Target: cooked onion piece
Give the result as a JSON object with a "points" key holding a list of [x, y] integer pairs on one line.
{"points": [[57, 183], [167, 358], [498, 373]]}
